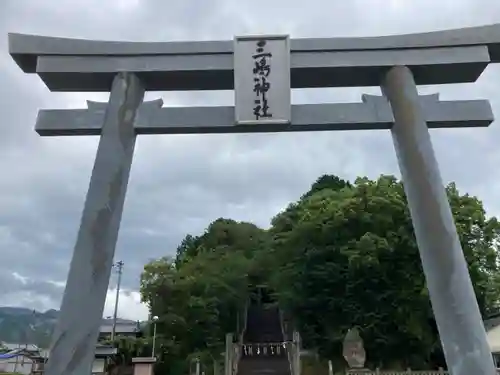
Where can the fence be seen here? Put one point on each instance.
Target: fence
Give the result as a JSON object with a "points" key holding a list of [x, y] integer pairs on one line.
{"points": [[404, 372], [392, 372]]}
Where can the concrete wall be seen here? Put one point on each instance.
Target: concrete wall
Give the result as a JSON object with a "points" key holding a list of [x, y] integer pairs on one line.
{"points": [[19, 364], [23, 365], [98, 366], [493, 336], [143, 369]]}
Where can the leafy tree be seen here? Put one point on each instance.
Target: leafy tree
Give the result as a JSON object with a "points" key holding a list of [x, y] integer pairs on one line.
{"points": [[128, 348], [161, 290], [223, 235], [199, 295], [479, 237], [347, 257], [327, 182], [343, 255]]}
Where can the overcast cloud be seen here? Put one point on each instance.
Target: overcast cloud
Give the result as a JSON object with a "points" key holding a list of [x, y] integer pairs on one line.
{"points": [[179, 184]]}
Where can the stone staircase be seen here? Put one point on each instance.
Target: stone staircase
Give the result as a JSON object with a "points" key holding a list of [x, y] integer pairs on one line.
{"points": [[264, 351]]}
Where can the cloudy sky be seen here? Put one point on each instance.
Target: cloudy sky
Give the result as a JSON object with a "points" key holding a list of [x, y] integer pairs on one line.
{"points": [[179, 184]]}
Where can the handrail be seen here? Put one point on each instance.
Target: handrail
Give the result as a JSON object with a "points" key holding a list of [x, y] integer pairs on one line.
{"points": [[284, 331], [236, 355]]}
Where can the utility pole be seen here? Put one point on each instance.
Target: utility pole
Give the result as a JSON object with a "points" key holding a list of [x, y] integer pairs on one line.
{"points": [[154, 320], [119, 267]]}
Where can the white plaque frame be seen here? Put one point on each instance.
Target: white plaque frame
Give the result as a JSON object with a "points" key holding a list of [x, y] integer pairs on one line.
{"points": [[285, 115]]}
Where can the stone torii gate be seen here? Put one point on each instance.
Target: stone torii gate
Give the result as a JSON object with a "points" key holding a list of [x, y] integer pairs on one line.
{"points": [[262, 70]]}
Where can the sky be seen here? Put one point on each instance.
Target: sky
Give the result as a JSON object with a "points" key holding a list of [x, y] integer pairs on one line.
{"points": [[179, 184]]}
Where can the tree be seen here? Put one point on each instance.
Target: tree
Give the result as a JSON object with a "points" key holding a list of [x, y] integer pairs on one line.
{"points": [[221, 236], [347, 257], [161, 290], [199, 295], [329, 182], [479, 238], [127, 348], [343, 255]]}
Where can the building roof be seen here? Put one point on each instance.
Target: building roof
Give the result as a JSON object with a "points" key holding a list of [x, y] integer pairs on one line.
{"points": [[12, 346]]}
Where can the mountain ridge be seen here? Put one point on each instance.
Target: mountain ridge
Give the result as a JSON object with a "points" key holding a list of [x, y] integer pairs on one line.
{"points": [[20, 325]]}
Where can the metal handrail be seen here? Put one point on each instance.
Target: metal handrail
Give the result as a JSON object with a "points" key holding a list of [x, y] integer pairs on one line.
{"points": [[237, 348], [286, 336]]}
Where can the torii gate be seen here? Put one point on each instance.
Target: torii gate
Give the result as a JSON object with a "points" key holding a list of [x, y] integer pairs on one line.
{"points": [[396, 63]]}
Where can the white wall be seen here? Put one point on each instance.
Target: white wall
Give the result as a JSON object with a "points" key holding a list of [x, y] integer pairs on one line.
{"points": [[23, 365], [98, 366], [494, 339]]}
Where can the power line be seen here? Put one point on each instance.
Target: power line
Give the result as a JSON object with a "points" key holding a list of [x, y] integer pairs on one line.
{"points": [[119, 267]]}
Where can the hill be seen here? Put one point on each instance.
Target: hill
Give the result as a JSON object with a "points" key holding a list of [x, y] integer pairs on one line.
{"points": [[24, 326], [19, 325]]}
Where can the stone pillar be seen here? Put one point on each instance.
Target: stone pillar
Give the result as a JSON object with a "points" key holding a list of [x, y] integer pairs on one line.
{"points": [[143, 365], [229, 354], [296, 365], [452, 296], [77, 330]]}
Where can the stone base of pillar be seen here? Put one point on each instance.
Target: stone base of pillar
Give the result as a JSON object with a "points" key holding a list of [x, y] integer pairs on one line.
{"points": [[143, 365]]}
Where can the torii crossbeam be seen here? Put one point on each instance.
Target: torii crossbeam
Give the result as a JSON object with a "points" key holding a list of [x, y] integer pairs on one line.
{"points": [[395, 63], [374, 113]]}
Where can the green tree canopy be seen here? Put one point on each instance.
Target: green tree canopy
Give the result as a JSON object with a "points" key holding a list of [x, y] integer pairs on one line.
{"points": [[343, 255], [347, 257], [200, 295]]}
